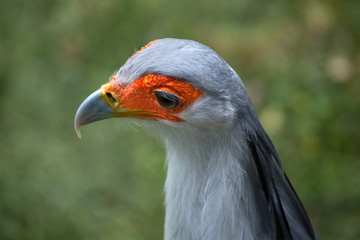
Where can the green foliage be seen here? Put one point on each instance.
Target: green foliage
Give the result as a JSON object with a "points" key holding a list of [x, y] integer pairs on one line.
{"points": [[300, 64]]}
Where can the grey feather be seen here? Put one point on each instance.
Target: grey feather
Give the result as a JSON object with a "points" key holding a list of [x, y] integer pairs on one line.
{"points": [[225, 179]]}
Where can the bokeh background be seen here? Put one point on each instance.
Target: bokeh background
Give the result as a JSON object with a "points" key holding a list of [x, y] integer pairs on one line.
{"points": [[299, 61]]}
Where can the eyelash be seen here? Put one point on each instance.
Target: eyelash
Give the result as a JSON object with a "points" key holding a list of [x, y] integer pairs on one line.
{"points": [[167, 100]]}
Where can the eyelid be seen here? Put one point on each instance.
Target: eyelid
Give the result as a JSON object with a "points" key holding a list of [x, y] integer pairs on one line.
{"points": [[171, 91], [169, 95]]}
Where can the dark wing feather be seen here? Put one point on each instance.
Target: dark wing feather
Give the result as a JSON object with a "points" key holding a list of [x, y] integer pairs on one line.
{"points": [[289, 215]]}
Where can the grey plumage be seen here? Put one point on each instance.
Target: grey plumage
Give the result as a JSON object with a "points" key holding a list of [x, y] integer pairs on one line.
{"points": [[225, 179]]}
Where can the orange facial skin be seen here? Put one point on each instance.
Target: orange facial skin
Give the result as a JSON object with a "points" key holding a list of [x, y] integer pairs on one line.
{"points": [[138, 99]]}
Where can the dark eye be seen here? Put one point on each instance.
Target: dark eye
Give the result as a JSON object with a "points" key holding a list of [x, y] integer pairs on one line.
{"points": [[166, 99]]}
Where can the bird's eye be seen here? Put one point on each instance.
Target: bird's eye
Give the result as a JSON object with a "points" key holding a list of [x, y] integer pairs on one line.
{"points": [[166, 99]]}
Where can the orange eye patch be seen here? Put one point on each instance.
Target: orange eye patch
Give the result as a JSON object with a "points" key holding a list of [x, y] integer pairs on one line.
{"points": [[138, 99]]}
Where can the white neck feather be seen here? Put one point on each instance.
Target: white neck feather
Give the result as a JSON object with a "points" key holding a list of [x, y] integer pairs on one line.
{"points": [[208, 191]]}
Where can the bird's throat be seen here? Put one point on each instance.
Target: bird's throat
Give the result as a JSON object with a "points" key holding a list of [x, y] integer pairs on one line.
{"points": [[207, 189]]}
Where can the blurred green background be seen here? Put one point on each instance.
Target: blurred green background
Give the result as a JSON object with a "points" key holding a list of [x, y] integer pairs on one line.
{"points": [[299, 60]]}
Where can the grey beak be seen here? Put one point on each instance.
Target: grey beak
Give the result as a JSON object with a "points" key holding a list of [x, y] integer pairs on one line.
{"points": [[92, 109]]}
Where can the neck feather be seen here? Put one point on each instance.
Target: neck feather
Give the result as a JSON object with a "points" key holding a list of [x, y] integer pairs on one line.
{"points": [[208, 188]]}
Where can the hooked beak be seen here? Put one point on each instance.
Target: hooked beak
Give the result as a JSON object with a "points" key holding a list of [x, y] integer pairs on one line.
{"points": [[98, 106]]}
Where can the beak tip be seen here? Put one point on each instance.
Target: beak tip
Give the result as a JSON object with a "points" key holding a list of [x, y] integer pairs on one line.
{"points": [[78, 133], [77, 128]]}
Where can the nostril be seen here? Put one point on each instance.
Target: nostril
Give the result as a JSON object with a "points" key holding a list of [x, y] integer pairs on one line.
{"points": [[111, 98]]}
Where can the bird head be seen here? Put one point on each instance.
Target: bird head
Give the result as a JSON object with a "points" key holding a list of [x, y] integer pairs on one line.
{"points": [[180, 84], [183, 87]]}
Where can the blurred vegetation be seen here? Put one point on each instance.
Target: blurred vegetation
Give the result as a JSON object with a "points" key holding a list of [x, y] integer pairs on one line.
{"points": [[299, 61]]}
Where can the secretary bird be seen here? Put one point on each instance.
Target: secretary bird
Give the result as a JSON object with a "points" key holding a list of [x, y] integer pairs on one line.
{"points": [[225, 180]]}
